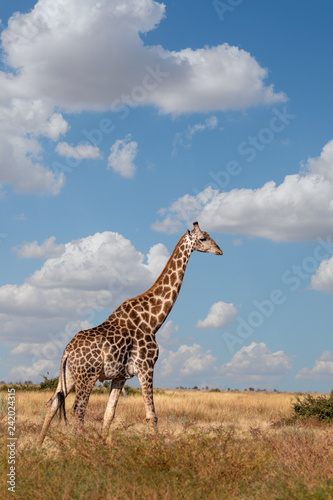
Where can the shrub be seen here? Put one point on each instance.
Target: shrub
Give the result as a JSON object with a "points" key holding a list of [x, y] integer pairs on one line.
{"points": [[131, 391], [49, 383], [19, 387], [319, 407]]}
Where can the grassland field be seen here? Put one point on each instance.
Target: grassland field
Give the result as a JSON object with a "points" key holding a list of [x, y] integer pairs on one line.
{"points": [[208, 445]]}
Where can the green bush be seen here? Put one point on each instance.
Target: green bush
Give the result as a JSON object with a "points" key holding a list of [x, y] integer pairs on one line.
{"points": [[19, 387], [319, 407], [132, 391], [49, 383]]}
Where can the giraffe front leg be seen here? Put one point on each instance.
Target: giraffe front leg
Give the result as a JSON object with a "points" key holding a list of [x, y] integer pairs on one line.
{"points": [[116, 388], [146, 382]]}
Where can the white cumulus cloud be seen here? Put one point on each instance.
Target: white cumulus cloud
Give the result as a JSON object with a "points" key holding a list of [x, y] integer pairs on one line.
{"points": [[219, 315], [90, 274], [184, 210], [220, 77], [322, 368], [122, 156], [80, 152], [33, 372], [48, 248], [187, 360], [298, 209], [42, 76], [22, 124], [322, 280], [157, 258], [256, 363]]}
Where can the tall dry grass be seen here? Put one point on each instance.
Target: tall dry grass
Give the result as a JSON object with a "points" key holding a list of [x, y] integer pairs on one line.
{"points": [[208, 445]]}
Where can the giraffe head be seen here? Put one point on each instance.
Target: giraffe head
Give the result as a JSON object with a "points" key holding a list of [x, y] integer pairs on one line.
{"points": [[202, 242]]}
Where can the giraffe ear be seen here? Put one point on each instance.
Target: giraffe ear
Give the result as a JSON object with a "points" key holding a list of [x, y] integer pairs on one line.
{"points": [[189, 234]]}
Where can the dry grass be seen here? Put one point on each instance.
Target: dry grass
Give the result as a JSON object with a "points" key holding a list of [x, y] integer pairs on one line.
{"points": [[208, 445], [176, 409]]}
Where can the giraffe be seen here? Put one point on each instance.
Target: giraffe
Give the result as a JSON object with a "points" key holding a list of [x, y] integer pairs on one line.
{"points": [[124, 345]]}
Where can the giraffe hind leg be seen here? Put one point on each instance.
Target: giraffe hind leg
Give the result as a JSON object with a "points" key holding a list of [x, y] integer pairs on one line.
{"points": [[82, 393]]}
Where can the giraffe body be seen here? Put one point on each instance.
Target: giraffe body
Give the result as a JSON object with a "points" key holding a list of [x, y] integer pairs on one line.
{"points": [[124, 345]]}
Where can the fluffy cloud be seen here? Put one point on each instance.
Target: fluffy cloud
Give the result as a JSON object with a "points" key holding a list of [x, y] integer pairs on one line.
{"points": [[42, 76], [256, 363], [184, 210], [102, 35], [22, 123], [322, 368], [93, 273], [187, 360], [182, 363], [212, 79], [122, 156], [32, 250], [32, 372], [80, 152], [323, 278], [219, 315], [300, 208], [157, 258]]}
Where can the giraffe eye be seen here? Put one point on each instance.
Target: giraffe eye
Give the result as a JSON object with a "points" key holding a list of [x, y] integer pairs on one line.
{"points": [[203, 239]]}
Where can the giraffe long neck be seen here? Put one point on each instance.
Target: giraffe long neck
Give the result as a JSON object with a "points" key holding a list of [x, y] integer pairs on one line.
{"points": [[164, 292]]}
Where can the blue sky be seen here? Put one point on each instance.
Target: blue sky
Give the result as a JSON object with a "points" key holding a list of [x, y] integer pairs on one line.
{"points": [[122, 122]]}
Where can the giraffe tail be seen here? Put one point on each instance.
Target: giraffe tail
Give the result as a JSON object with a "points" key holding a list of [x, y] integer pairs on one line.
{"points": [[61, 395]]}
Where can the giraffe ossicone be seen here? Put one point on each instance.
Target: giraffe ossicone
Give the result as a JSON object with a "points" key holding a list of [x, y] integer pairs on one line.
{"points": [[124, 345]]}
